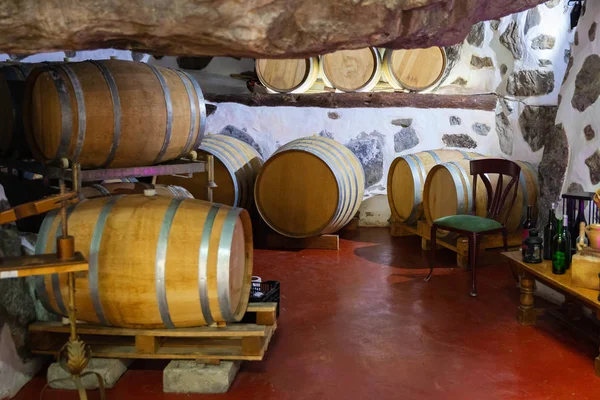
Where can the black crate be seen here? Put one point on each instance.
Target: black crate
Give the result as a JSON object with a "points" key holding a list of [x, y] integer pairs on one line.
{"points": [[270, 294]]}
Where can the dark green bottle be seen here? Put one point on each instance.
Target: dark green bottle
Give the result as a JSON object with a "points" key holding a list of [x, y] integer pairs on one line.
{"points": [[560, 248]]}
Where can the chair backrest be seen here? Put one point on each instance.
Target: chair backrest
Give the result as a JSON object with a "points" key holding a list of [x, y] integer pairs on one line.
{"points": [[496, 198]]}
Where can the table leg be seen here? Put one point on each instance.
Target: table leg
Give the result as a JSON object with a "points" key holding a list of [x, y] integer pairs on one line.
{"points": [[526, 314]]}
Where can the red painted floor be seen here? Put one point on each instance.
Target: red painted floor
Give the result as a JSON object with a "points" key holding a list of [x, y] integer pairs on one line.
{"points": [[362, 324]]}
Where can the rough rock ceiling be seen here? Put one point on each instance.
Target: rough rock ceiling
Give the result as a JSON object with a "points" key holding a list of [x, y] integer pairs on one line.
{"points": [[243, 28]]}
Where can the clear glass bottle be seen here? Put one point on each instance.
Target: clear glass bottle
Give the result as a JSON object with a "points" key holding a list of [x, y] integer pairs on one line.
{"points": [[582, 241]]}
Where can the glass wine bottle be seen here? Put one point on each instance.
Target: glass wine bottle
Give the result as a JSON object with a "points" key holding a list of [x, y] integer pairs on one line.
{"points": [[527, 226], [569, 240], [560, 249], [574, 226], [549, 232]]}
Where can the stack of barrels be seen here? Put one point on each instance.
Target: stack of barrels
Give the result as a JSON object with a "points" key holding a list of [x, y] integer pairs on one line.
{"points": [[157, 256], [361, 70], [434, 184]]}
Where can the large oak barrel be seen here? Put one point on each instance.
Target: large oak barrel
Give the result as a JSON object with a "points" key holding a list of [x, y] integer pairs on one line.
{"points": [[12, 89], [309, 186], [236, 167], [112, 113], [107, 189], [414, 69], [448, 190], [287, 76], [153, 262], [406, 178], [352, 70]]}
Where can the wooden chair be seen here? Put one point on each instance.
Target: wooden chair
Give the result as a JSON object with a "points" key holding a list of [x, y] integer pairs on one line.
{"points": [[473, 226]]}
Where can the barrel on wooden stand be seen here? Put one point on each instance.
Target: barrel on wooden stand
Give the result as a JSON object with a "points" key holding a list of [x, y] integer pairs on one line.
{"points": [[448, 191], [153, 262], [236, 167], [112, 113], [108, 189], [414, 69], [289, 75], [352, 70], [310, 186], [406, 179]]}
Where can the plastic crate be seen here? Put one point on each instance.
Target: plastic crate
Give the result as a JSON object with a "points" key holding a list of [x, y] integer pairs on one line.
{"points": [[268, 292]]}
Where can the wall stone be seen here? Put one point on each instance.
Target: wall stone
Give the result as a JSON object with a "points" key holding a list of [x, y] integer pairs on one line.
{"points": [[459, 81], [530, 83], [324, 134], [544, 63], [593, 164], [405, 139], [503, 69], [454, 120], [477, 34], [368, 147], [481, 62], [589, 133], [242, 135], [403, 122], [592, 31], [505, 133], [568, 70], [481, 129], [575, 187], [533, 19], [495, 24], [536, 122], [460, 140], [587, 83], [543, 42], [552, 169], [552, 3], [512, 40], [576, 39], [333, 115]]}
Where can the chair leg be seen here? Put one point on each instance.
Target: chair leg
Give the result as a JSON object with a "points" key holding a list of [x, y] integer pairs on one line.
{"points": [[474, 250], [433, 237]]}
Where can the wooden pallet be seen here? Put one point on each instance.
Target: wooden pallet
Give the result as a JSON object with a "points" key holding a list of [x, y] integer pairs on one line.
{"points": [[460, 245], [209, 344]]}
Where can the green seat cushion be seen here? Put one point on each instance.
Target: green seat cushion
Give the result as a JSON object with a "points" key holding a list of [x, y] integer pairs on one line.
{"points": [[471, 223]]}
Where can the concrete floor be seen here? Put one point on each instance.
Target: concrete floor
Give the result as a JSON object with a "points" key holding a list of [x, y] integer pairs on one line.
{"points": [[362, 324]]}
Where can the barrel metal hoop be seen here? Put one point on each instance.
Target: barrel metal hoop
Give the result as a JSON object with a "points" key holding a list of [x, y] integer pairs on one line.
{"points": [[351, 209], [201, 108], [93, 273], [465, 155], [161, 260], [341, 183], [81, 112], [188, 88], [455, 172], [56, 277], [40, 248], [414, 212], [213, 148], [223, 257], [169, 108], [116, 100], [65, 113], [203, 263], [436, 158], [103, 191]]}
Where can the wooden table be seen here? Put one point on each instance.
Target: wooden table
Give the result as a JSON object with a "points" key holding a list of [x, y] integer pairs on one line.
{"points": [[543, 272]]}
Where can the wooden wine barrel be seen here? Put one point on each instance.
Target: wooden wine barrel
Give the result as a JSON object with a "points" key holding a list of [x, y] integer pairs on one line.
{"points": [[116, 188], [236, 167], [309, 186], [112, 113], [352, 70], [288, 76], [12, 89], [414, 69], [153, 262], [448, 191], [406, 178]]}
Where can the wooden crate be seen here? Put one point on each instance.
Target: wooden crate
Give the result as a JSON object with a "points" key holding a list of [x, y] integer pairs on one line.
{"points": [[237, 341], [459, 245]]}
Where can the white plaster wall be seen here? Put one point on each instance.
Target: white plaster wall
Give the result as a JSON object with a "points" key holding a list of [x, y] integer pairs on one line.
{"points": [[100, 54]]}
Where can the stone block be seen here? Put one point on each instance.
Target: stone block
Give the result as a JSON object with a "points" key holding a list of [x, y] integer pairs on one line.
{"points": [[110, 370], [183, 376]]}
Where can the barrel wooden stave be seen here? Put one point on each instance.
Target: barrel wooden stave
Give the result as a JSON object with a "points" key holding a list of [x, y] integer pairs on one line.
{"points": [[117, 188], [104, 108], [123, 287], [236, 167], [310, 186], [352, 70], [414, 69], [406, 178], [287, 75]]}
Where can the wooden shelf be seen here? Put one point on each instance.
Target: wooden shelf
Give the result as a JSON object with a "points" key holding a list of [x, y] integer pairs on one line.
{"points": [[41, 264]]}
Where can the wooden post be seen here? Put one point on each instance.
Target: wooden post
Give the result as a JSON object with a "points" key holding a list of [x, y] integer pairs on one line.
{"points": [[526, 314]]}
